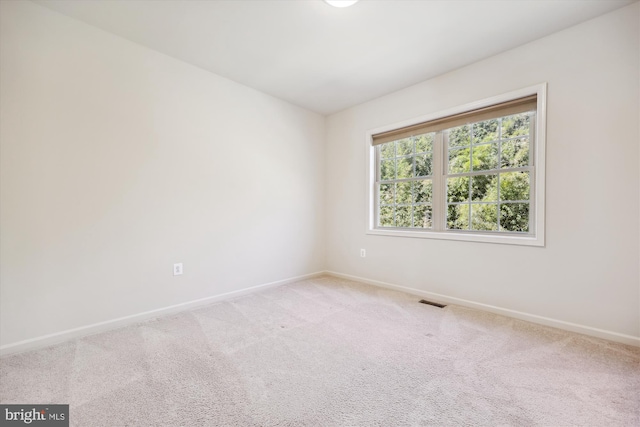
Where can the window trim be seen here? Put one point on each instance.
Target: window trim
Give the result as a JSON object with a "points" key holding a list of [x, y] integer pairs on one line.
{"points": [[538, 193]]}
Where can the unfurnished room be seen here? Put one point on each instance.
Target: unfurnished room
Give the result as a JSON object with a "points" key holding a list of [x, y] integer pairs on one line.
{"points": [[319, 213]]}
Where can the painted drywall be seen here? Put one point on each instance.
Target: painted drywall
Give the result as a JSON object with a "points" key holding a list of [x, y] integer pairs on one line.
{"points": [[118, 161], [588, 272]]}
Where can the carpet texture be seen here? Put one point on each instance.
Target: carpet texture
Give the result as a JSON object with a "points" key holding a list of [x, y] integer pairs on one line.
{"points": [[330, 352]]}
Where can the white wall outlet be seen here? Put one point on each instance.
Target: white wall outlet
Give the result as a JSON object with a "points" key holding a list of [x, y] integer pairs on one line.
{"points": [[363, 253], [177, 269]]}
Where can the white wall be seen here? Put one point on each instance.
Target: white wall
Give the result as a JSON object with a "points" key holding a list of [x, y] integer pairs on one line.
{"points": [[588, 272], [118, 161]]}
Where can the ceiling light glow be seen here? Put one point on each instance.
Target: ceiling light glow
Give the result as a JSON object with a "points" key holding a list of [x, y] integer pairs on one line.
{"points": [[341, 3]]}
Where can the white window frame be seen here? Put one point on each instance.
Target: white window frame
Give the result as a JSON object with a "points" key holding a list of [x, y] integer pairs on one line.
{"points": [[537, 144]]}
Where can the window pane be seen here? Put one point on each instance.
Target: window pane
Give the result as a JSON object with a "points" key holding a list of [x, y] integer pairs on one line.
{"points": [[460, 136], [484, 217], [484, 188], [482, 192], [515, 153], [423, 191], [404, 147], [387, 170], [403, 192], [458, 189], [423, 164], [387, 150], [386, 216], [516, 125], [458, 217], [386, 194], [403, 216], [405, 167], [485, 131], [422, 216], [424, 142], [514, 217], [459, 160], [485, 157], [514, 186]]}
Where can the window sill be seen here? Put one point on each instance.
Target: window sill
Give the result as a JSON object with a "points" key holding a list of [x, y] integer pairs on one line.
{"points": [[468, 237]]}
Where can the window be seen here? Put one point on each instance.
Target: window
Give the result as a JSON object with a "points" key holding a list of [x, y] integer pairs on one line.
{"points": [[471, 173]]}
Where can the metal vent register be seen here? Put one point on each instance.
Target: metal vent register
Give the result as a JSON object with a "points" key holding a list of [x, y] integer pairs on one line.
{"points": [[435, 304]]}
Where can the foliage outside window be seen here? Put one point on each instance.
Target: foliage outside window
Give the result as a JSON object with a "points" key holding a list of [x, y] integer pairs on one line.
{"points": [[477, 177], [406, 183]]}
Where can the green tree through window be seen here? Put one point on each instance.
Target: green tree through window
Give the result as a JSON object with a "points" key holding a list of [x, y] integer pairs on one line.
{"points": [[487, 174]]}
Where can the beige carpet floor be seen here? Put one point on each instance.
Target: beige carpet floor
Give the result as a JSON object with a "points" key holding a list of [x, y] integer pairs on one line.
{"points": [[329, 352]]}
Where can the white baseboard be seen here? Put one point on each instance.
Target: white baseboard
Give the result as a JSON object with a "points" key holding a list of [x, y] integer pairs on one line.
{"points": [[560, 324], [59, 337]]}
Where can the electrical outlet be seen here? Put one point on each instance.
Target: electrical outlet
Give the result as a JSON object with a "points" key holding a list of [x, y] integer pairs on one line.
{"points": [[177, 269], [363, 253]]}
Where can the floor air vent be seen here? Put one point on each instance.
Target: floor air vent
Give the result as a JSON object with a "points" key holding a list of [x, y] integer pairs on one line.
{"points": [[435, 304]]}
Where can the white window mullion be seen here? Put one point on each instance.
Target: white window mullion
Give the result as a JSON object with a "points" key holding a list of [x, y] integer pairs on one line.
{"points": [[439, 195], [376, 190]]}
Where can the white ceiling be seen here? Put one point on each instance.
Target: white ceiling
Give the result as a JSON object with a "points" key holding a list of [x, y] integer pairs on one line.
{"points": [[325, 58]]}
